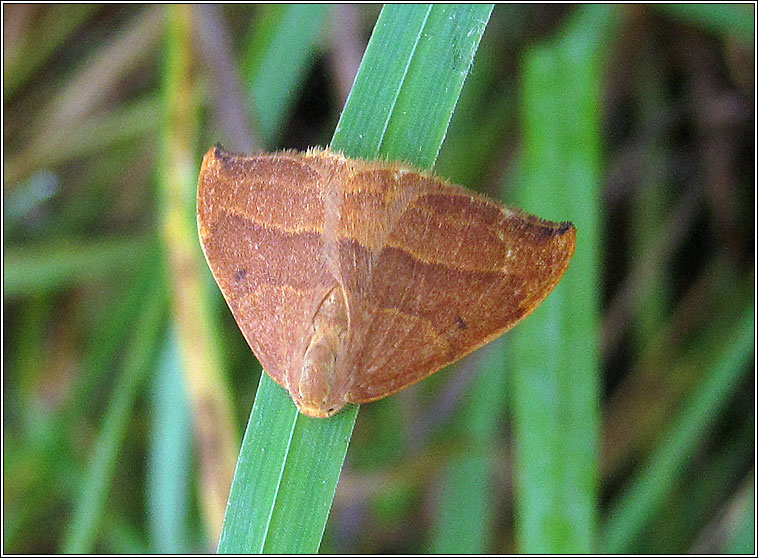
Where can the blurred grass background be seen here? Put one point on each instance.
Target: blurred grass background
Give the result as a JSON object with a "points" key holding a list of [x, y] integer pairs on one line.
{"points": [[127, 384]]}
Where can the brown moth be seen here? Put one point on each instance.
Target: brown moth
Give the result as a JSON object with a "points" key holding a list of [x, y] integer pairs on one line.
{"points": [[353, 279]]}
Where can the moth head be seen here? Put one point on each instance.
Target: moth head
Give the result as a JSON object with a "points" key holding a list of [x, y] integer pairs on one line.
{"points": [[318, 411], [316, 395]]}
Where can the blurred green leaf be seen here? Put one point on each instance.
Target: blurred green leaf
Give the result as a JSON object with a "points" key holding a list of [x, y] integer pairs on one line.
{"points": [[56, 265], [651, 205], [81, 532], [668, 530], [461, 525], [170, 455], [465, 514], [553, 352], [645, 493], [280, 51], [484, 117], [49, 445], [431, 468], [203, 365]]}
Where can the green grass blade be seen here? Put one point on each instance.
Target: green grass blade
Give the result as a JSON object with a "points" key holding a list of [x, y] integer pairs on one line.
{"points": [[279, 54], [259, 470], [364, 120], [646, 493], [35, 269], [82, 530], [465, 514], [317, 451], [554, 353], [285, 509], [170, 455], [462, 513], [419, 121]]}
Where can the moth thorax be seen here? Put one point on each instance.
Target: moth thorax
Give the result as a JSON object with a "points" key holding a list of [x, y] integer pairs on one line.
{"points": [[320, 393]]}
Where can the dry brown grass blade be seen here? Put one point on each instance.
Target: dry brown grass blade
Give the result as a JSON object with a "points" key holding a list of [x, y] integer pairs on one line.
{"points": [[215, 433], [87, 89]]}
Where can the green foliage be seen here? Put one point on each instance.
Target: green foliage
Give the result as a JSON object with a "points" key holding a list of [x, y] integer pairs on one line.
{"points": [[645, 494], [60, 264], [554, 353], [279, 53], [466, 511], [618, 417], [94, 486], [169, 458]]}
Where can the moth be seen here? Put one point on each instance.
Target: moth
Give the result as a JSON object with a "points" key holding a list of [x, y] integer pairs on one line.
{"points": [[352, 279]]}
